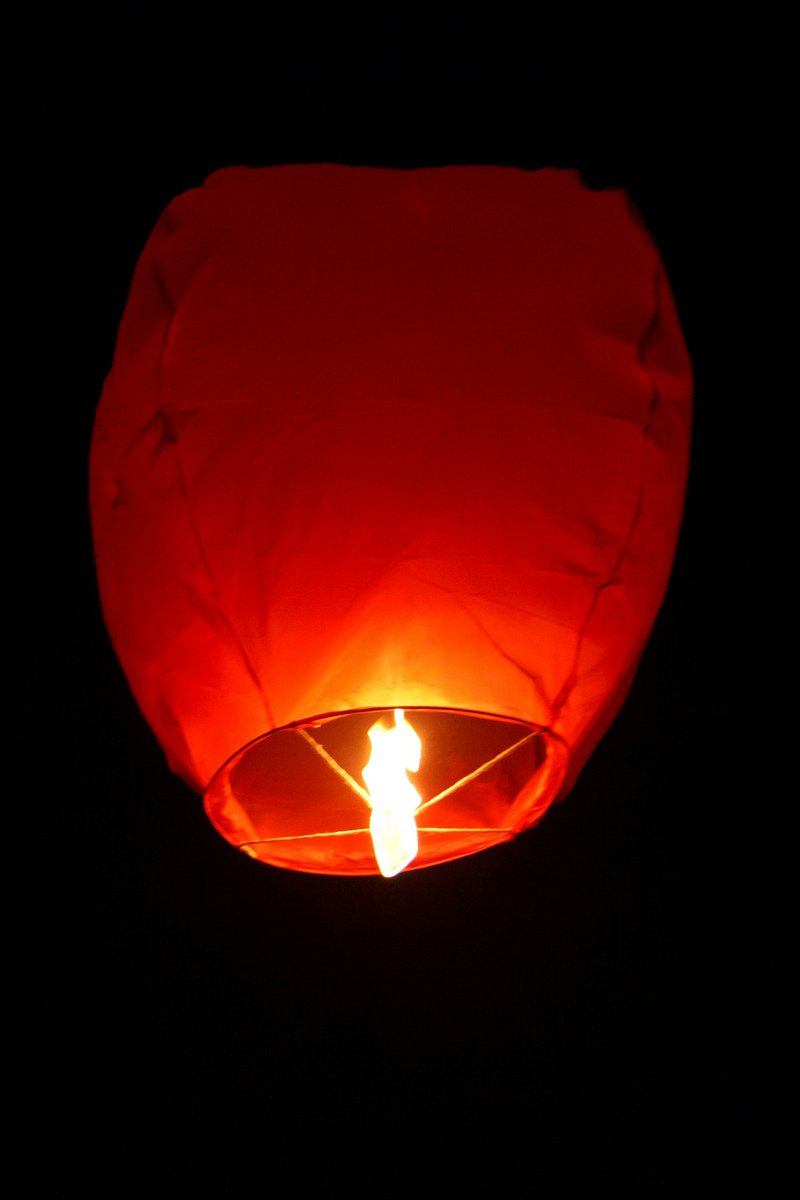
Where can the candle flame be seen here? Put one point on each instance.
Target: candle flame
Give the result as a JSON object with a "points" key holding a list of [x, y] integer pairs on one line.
{"points": [[393, 797]]}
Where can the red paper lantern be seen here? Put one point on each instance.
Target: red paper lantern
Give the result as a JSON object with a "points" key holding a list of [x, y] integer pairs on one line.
{"points": [[378, 440]]}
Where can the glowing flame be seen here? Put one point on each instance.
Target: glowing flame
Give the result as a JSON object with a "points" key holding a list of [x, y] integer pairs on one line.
{"points": [[393, 796]]}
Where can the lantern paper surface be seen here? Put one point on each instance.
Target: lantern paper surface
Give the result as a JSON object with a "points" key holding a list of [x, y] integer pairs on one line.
{"points": [[378, 440]]}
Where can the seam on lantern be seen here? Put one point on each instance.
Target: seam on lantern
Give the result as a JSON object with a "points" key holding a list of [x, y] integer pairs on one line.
{"points": [[161, 286], [545, 619], [180, 478], [532, 679], [462, 594], [214, 592], [166, 332], [613, 576]]}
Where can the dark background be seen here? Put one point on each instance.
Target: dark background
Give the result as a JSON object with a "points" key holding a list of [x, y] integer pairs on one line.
{"points": [[599, 1003]]}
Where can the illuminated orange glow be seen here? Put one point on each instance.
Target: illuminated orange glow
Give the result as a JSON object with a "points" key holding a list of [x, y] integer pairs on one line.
{"points": [[394, 799]]}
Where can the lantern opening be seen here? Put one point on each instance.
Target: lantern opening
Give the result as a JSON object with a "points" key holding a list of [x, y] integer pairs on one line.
{"points": [[293, 798]]}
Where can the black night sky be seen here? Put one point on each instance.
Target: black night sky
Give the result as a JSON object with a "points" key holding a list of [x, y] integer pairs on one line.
{"points": [[596, 1006]]}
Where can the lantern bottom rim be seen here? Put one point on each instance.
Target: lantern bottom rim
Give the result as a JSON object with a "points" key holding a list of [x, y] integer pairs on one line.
{"points": [[295, 797]]}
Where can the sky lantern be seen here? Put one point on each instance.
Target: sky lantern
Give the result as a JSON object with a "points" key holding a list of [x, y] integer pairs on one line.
{"points": [[386, 481]]}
